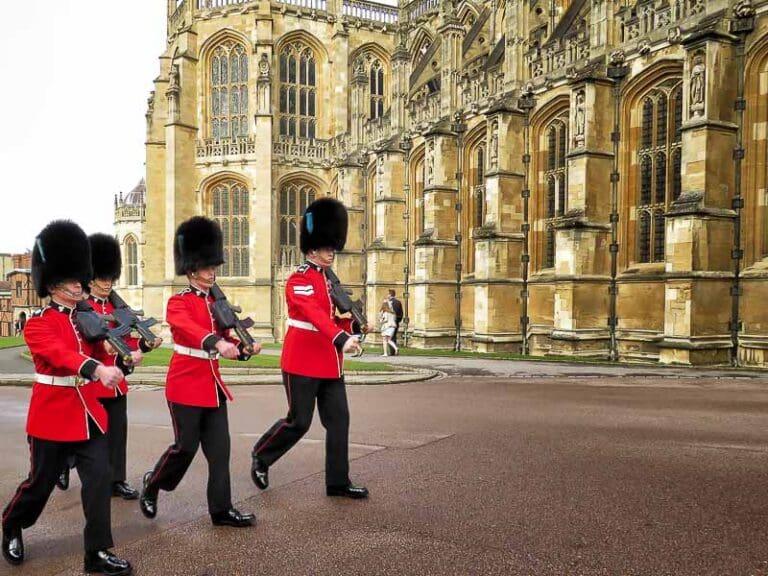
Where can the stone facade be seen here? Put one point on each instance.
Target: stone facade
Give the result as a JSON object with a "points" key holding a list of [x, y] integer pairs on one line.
{"points": [[22, 298], [130, 220], [582, 177]]}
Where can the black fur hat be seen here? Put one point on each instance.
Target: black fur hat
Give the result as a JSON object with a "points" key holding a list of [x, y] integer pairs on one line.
{"points": [[324, 225], [61, 252], [105, 256], [198, 243]]}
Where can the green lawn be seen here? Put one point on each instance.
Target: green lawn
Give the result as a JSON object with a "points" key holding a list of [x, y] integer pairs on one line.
{"points": [[375, 349], [11, 341], [162, 356]]}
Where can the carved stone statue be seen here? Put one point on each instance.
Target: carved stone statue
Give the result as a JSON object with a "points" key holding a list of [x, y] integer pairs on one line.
{"points": [[743, 9], [173, 78], [493, 148], [430, 162], [697, 87], [264, 73], [580, 118], [617, 57]]}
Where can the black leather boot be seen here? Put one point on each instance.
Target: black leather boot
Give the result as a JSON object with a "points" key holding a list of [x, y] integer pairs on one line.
{"points": [[148, 498], [62, 482], [348, 491], [13, 546], [233, 517], [104, 562], [124, 491], [259, 473]]}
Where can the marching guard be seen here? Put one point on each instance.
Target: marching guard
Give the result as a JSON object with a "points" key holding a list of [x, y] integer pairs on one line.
{"points": [[196, 394], [65, 417], [313, 356], [107, 264]]}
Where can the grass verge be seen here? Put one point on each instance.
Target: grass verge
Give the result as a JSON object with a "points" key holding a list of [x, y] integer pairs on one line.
{"points": [[11, 341], [162, 356]]}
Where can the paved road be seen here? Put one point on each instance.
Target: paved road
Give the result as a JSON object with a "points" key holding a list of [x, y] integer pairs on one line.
{"points": [[11, 361], [469, 476]]}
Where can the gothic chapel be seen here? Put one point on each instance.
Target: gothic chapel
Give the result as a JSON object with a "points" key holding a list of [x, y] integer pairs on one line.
{"points": [[571, 177]]}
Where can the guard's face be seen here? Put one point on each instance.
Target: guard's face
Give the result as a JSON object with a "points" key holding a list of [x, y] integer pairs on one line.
{"points": [[323, 256], [101, 287], [68, 292], [203, 277]]}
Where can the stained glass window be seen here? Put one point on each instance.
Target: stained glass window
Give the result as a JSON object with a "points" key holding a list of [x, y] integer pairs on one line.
{"points": [[376, 89], [555, 192], [294, 199], [479, 186], [298, 91], [647, 122], [658, 236], [131, 261], [660, 165], [229, 204], [229, 91], [549, 247], [644, 240]]}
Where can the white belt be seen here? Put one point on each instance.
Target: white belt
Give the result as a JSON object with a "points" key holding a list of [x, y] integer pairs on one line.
{"points": [[195, 352], [71, 381], [301, 324]]}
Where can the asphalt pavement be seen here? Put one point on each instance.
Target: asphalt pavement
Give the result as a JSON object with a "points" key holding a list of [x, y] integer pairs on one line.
{"points": [[469, 475]]}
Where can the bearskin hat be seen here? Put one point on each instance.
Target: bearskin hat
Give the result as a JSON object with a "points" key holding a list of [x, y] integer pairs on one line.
{"points": [[324, 225], [198, 244], [105, 256], [61, 252]]}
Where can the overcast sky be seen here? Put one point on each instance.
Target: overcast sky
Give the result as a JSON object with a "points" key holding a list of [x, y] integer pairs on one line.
{"points": [[76, 75]]}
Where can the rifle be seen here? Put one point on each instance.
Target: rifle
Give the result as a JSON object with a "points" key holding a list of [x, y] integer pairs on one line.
{"points": [[226, 316], [344, 302], [94, 328], [125, 315]]}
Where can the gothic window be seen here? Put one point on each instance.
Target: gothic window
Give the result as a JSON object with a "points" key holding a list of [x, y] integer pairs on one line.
{"points": [[549, 247], [229, 91], [417, 216], [230, 210], [376, 89], [298, 91], [294, 199], [131, 262], [478, 186], [555, 184], [659, 161]]}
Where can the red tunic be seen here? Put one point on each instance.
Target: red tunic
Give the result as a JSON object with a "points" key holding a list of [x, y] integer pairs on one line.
{"points": [[105, 307], [308, 352], [60, 413], [194, 381]]}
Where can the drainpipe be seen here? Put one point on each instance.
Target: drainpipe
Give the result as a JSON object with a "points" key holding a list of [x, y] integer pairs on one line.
{"points": [[742, 25], [405, 145], [458, 126], [616, 71], [526, 103], [364, 164]]}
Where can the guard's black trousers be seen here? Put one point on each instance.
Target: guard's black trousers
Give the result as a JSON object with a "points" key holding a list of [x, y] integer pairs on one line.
{"points": [[47, 459], [117, 434], [194, 426], [332, 406]]}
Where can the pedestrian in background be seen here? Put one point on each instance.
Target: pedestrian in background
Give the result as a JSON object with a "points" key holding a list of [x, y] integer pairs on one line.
{"points": [[388, 326], [397, 308]]}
